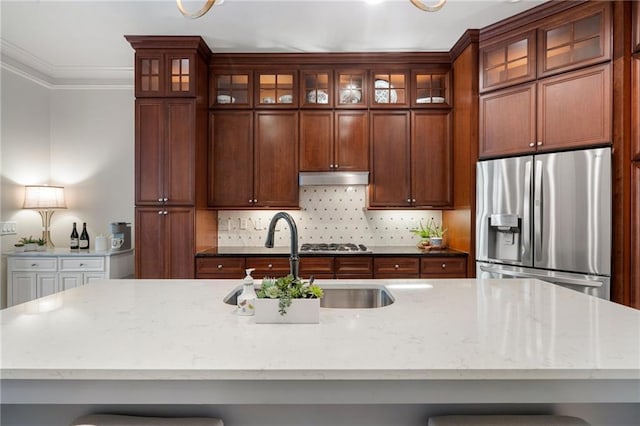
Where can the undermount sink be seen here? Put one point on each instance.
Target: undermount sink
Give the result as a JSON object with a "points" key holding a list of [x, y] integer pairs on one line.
{"points": [[342, 297]]}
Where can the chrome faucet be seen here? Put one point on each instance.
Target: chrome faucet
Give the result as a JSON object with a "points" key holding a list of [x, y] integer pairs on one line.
{"points": [[294, 258]]}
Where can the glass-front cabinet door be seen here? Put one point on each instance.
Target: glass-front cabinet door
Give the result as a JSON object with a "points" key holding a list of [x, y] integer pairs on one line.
{"points": [[351, 89], [390, 89], [431, 88], [508, 62], [316, 89], [572, 40], [231, 89], [181, 74], [276, 89]]}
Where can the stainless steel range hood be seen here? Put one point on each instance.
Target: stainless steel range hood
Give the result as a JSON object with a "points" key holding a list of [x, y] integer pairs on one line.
{"points": [[333, 178]]}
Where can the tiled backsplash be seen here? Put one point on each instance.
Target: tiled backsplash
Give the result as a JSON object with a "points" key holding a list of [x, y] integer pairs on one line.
{"points": [[327, 214]]}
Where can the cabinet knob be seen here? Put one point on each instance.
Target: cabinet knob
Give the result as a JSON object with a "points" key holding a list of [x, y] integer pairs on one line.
{"points": [[413, 200], [165, 212], [335, 166], [444, 265], [532, 144], [255, 201], [159, 211], [33, 265], [408, 200], [165, 199], [82, 264], [159, 200], [250, 201], [396, 266], [219, 266], [270, 266], [539, 143], [331, 166]]}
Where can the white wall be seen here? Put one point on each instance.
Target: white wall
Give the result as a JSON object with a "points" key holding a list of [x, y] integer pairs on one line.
{"points": [[80, 138]]}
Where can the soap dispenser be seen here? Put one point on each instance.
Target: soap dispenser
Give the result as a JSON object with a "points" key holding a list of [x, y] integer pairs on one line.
{"points": [[246, 300]]}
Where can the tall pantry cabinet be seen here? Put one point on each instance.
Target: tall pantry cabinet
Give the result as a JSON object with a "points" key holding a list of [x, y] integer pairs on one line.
{"points": [[171, 125], [635, 157]]}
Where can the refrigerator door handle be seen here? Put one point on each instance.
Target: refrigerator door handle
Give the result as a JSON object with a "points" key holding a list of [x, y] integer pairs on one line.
{"points": [[526, 221], [537, 210], [544, 277]]}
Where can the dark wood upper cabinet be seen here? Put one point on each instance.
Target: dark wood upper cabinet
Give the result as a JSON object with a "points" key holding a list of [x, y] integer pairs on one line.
{"points": [[390, 181], [430, 88], [276, 159], [508, 61], [316, 88], [276, 88], [636, 25], [431, 159], [508, 121], [165, 151], [575, 38], [316, 141], [351, 88], [334, 141], [351, 141], [231, 89], [635, 107], [231, 159], [575, 109], [165, 73], [390, 88]]}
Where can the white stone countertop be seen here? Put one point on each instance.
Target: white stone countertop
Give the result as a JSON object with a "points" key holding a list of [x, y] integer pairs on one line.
{"points": [[64, 252], [436, 330]]}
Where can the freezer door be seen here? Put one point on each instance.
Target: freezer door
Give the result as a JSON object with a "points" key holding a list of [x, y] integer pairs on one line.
{"points": [[572, 211], [503, 211]]}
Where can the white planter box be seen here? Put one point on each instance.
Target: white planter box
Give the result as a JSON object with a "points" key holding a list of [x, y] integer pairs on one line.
{"points": [[301, 311]]}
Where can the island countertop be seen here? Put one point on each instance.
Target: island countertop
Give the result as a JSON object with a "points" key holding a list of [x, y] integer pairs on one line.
{"points": [[464, 331]]}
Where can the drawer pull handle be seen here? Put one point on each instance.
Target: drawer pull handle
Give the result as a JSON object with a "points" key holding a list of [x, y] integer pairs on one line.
{"points": [[270, 266], [34, 265], [444, 265], [219, 266], [82, 264], [396, 266]]}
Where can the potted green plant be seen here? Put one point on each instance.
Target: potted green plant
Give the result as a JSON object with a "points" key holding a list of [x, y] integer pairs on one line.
{"points": [[431, 235], [424, 232], [19, 247], [29, 243], [288, 300], [41, 244]]}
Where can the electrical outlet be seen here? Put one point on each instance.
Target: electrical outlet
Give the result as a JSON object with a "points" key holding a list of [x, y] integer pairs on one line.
{"points": [[243, 223], [8, 228]]}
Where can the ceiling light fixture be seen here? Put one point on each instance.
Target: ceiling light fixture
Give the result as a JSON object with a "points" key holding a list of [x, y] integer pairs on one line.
{"points": [[420, 4], [197, 14]]}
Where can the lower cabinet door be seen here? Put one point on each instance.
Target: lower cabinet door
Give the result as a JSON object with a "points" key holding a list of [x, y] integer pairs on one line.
{"points": [[46, 284], [70, 280], [88, 278], [22, 288]]}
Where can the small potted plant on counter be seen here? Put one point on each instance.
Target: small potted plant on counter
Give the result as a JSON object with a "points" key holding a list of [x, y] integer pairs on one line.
{"points": [[41, 244], [29, 243], [288, 300], [431, 235], [18, 247]]}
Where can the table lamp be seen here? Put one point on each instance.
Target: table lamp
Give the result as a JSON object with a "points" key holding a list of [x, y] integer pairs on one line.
{"points": [[45, 199]]}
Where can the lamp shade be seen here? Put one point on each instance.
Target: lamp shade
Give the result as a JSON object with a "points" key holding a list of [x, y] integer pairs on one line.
{"points": [[44, 197]]}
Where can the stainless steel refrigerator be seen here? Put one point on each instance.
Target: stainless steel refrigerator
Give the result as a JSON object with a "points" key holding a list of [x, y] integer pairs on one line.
{"points": [[546, 216]]}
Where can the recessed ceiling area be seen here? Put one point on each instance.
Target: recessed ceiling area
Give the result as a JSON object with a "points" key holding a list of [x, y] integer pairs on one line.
{"points": [[83, 39]]}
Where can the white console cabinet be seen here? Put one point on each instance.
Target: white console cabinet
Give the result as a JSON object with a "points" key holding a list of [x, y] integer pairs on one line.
{"points": [[36, 274]]}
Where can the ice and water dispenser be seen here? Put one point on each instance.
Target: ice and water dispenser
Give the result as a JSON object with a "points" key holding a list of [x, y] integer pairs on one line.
{"points": [[504, 232]]}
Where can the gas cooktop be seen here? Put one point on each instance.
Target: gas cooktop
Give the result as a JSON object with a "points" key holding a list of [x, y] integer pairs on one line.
{"points": [[334, 247]]}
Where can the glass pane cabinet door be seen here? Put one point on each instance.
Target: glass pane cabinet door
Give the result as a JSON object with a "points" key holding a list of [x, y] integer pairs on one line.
{"points": [[390, 89], [316, 89], [575, 41], [181, 74], [276, 88], [431, 89], [508, 62], [149, 75], [231, 90], [351, 89]]}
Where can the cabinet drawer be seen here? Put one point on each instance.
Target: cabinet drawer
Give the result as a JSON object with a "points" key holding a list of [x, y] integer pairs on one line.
{"points": [[269, 266], [404, 266], [82, 264], [320, 267], [35, 264], [446, 267], [220, 267], [347, 266]]}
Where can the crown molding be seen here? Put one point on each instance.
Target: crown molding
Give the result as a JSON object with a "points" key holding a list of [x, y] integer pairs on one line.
{"points": [[31, 67]]}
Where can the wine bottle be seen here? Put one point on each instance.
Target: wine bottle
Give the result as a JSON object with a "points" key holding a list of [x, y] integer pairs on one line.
{"points": [[84, 238], [74, 241]]}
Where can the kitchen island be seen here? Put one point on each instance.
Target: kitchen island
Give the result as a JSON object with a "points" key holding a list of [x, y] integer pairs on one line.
{"points": [[458, 345]]}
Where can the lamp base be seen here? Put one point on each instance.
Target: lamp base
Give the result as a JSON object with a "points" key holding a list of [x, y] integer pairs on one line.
{"points": [[46, 223]]}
